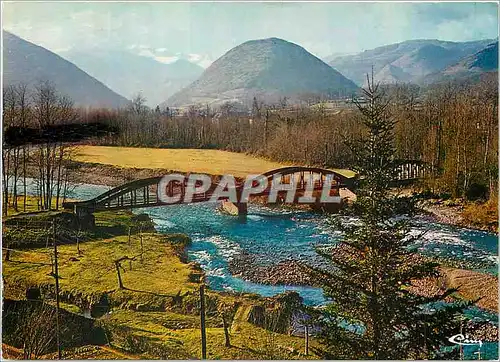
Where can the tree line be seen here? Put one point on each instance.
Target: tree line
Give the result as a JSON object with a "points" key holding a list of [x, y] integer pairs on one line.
{"points": [[48, 161], [451, 126]]}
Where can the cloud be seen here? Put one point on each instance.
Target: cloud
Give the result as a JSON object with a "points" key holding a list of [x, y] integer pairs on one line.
{"points": [[146, 53], [211, 29], [166, 60]]}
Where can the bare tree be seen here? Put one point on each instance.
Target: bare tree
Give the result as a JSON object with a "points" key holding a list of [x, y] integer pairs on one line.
{"points": [[118, 267], [226, 313], [9, 104], [36, 329], [24, 119], [138, 104], [141, 221], [51, 109]]}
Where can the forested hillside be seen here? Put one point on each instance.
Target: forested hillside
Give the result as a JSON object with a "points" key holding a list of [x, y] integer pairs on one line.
{"points": [[451, 126]]}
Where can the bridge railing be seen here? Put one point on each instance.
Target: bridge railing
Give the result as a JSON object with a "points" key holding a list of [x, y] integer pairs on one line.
{"points": [[144, 192]]}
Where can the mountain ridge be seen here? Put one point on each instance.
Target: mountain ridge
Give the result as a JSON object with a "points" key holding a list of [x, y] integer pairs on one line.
{"points": [[129, 74], [470, 67], [269, 68], [28, 63], [415, 59]]}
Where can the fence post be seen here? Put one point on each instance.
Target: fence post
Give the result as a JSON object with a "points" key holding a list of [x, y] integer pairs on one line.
{"points": [[202, 319], [306, 334], [56, 276]]}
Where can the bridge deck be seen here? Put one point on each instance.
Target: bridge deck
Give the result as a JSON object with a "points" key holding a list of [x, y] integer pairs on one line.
{"points": [[144, 193]]}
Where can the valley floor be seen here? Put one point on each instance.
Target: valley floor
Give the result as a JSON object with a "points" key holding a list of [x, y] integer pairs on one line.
{"points": [[212, 162], [155, 314]]}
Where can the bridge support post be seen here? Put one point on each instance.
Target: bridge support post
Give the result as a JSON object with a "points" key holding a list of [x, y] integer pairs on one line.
{"points": [[237, 209], [85, 216]]}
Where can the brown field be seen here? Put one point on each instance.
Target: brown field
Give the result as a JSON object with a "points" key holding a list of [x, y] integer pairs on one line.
{"points": [[213, 162]]}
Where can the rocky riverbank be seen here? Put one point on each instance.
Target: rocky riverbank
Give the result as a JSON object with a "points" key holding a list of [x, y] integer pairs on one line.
{"points": [[462, 214], [482, 331], [472, 285], [289, 272]]}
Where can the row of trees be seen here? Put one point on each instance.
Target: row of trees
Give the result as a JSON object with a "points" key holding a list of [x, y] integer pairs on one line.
{"points": [[453, 127], [46, 161]]}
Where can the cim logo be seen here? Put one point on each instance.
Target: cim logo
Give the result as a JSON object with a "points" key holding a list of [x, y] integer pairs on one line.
{"points": [[462, 340]]}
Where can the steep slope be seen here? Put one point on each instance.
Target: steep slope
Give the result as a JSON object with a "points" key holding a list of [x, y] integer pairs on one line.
{"points": [[485, 60], [267, 68], [414, 58], [128, 73], [24, 62], [470, 67], [391, 74]]}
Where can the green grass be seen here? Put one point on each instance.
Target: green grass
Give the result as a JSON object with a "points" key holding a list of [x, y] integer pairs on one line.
{"points": [[179, 336], [31, 205], [93, 273], [156, 315]]}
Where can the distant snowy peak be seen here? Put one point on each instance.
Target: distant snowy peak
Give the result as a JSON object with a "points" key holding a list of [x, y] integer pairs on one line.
{"points": [[137, 70], [165, 56]]}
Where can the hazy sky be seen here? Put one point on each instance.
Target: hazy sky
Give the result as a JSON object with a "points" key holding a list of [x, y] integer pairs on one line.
{"points": [[207, 30]]}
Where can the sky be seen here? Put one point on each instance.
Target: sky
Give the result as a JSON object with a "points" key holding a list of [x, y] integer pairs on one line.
{"points": [[202, 32]]}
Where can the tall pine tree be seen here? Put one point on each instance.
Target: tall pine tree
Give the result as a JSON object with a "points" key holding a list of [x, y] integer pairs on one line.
{"points": [[375, 313]]}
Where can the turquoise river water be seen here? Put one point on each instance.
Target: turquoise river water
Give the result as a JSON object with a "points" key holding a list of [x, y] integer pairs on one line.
{"points": [[277, 235]]}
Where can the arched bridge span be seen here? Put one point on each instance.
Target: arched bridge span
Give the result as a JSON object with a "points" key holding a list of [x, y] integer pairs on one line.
{"points": [[144, 193]]}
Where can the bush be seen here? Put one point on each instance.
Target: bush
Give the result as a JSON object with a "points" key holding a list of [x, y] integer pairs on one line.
{"points": [[477, 191]]}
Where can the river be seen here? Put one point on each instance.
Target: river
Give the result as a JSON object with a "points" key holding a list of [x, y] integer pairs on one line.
{"points": [[277, 235]]}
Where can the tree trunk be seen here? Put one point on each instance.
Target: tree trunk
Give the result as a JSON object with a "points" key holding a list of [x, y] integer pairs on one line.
{"points": [[117, 265], [226, 331]]}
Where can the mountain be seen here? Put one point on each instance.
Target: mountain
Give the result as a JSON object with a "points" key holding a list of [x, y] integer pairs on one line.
{"points": [[25, 62], [128, 73], [485, 60], [409, 61], [268, 69]]}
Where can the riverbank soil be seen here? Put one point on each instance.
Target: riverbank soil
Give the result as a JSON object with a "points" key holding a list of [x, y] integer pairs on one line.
{"points": [[473, 285], [155, 311], [480, 215]]}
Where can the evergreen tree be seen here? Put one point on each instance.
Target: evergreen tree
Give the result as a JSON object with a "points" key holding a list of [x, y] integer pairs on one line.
{"points": [[375, 312]]}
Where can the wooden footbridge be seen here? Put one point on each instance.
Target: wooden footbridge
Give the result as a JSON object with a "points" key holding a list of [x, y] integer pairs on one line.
{"points": [[145, 192]]}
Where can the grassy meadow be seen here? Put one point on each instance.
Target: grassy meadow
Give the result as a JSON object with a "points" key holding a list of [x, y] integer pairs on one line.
{"points": [[155, 314], [214, 162]]}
